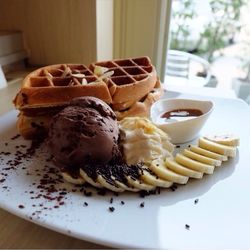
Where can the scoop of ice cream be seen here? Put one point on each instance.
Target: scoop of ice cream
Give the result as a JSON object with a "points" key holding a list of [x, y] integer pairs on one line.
{"points": [[85, 132], [143, 141]]}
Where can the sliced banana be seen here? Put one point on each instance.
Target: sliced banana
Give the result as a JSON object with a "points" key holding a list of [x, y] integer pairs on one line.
{"points": [[191, 163], [139, 184], [150, 178], [109, 184], [194, 165], [201, 158], [217, 148], [177, 168], [67, 177], [88, 179], [119, 173], [224, 139], [159, 168], [126, 187], [208, 153]]}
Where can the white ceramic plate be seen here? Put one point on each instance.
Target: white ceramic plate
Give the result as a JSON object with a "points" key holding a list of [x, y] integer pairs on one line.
{"points": [[220, 218]]}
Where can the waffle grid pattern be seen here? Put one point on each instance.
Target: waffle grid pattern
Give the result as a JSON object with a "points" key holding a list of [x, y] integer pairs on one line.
{"points": [[126, 71], [62, 75]]}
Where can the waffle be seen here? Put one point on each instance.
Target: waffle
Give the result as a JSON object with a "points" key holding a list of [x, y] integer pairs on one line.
{"points": [[124, 83], [142, 107], [33, 127], [56, 85], [132, 79]]}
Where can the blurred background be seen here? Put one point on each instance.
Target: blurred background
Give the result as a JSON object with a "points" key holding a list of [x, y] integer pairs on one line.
{"points": [[215, 35], [44, 32], [203, 44]]}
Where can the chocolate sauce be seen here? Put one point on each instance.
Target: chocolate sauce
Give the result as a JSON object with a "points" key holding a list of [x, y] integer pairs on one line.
{"points": [[181, 114]]}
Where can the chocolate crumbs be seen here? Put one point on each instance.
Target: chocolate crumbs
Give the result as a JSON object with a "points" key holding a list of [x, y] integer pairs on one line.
{"points": [[111, 209], [14, 137], [142, 204], [173, 187], [47, 192]]}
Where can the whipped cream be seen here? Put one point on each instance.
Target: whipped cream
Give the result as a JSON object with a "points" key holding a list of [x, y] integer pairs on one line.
{"points": [[142, 141]]}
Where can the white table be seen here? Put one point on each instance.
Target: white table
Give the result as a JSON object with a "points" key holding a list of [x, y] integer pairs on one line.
{"points": [[204, 91]]}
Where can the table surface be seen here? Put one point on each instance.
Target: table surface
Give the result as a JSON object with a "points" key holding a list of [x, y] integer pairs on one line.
{"points": [[24, 234]]}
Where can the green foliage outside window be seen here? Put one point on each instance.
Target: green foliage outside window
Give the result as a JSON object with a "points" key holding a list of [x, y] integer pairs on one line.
{"points": [[219, 32]]}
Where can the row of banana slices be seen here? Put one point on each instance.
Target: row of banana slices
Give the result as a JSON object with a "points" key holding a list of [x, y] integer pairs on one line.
{"points": [[192, 162]]}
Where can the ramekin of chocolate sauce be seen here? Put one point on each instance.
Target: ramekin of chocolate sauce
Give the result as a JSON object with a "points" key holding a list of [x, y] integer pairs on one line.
{"points": [[182, 119]]}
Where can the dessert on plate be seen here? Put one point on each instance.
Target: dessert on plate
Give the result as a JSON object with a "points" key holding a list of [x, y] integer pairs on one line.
{"points": [[96, 123]]}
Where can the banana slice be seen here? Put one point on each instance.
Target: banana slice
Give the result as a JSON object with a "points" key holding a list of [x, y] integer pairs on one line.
{"points": [[109, 184], [125, 187], [217, 148], [139, 184], [88, 179], [177, 168], [67, 177], [119, 173], [201, 158], [194, 165], [224, 139], [208, 153], [104, 177], [150, 178], [159, 168]]}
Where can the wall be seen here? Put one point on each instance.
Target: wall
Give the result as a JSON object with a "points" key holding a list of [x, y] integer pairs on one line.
{"points": [[55, 31], [136, 27], [104, 24]]}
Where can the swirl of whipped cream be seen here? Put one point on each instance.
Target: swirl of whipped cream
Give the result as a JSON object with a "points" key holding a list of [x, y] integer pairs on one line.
{"points": [[142, 141]]}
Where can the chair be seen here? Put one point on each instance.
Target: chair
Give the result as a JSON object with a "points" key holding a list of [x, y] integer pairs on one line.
{"points": [[185, 67], [248, 99], [3, 81]]}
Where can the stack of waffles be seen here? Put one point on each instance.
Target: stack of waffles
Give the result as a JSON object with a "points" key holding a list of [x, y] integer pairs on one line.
{"points": [[129, 86]]}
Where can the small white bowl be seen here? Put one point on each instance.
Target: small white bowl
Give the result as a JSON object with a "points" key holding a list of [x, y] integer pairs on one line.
{"points": [[181, 131]]}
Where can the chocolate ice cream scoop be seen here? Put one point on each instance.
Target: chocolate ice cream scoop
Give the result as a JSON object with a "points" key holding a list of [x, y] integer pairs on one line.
{"points": [[85, 132]]}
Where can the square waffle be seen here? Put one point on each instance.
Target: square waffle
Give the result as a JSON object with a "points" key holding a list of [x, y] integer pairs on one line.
{"points": [[56, 85]]}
